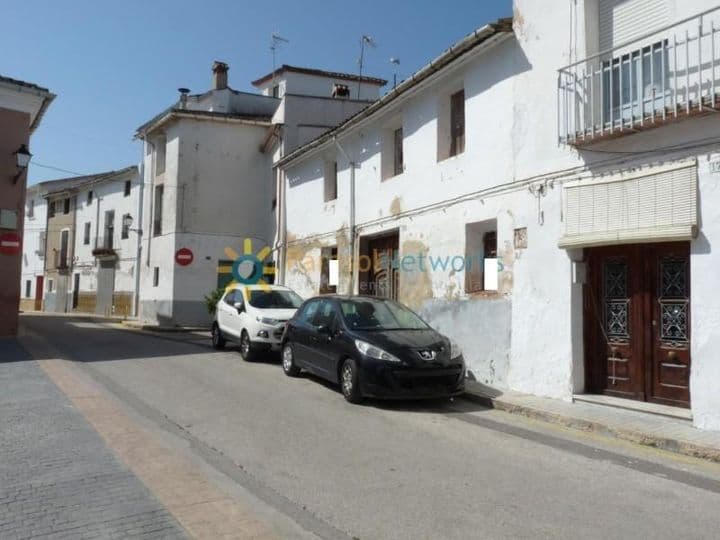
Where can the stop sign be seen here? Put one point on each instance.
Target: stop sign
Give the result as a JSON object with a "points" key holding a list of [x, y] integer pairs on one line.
{"points": [[10, 243], [184, 256]]}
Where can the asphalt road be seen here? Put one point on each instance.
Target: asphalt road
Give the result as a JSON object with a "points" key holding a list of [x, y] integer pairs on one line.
{"points": [[387, 470]]}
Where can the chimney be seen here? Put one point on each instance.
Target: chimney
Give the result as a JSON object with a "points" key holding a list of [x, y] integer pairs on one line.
{"points": [[220, 70], [183, 97]]}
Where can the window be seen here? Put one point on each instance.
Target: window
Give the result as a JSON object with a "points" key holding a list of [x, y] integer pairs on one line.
{"points": [[86, 233], [274, 299], [109, 229], [128, 186], [398, 163], [125, 231], [457, 123], [160, 150], [330, 177], [328, 270], [89, 197], [42, 242], [230, 298], [309, 311], [31, 209], [51, 283], [28, 288], [51, 209], [481, 263], [156, 276], [158, 210], [64, 245], [276, 91], [637, 83], [391, 152], [324, 315], [66, 206]]}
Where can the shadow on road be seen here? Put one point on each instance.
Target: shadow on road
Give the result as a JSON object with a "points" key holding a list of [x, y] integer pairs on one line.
{"points": [[441, 405]]}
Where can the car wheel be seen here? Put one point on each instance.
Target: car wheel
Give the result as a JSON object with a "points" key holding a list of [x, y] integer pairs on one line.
{"points": [[349, 383], [246, 350], [218, 341], [288, 361]]}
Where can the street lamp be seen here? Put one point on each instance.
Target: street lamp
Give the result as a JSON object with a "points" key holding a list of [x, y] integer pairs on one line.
{"points": [[22, 155], [127, 223]]}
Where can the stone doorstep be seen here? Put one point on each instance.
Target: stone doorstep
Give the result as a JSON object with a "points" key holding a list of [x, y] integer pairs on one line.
{"points": [[669, 434]]}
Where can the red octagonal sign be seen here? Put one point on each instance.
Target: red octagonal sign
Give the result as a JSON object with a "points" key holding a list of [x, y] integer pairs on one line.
{"points": [[10, 243], [184, 256]]}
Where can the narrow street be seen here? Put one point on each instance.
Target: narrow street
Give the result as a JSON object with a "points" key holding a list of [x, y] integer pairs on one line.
{"points": [[298, 461]]}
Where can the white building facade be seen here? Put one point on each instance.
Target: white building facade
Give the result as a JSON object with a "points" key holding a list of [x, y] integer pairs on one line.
{"points": [[544, 192], [33, 258], [210, 188], [105, 269]]}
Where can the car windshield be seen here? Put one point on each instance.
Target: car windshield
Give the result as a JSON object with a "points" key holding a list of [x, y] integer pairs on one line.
{"points": [[379, 314], [274, 299]]}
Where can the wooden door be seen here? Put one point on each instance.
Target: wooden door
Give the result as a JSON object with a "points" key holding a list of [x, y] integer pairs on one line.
{"points": [[669, 381], [383, 274], [39, 283], [637, 306], [614, 305]]}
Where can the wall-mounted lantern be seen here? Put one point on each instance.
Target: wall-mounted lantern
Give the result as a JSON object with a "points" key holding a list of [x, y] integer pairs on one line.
{"points": [[23, 156]]}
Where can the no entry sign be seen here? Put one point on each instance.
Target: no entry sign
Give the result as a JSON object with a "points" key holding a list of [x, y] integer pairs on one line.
{"points": [[184, 256], [10, 243]]}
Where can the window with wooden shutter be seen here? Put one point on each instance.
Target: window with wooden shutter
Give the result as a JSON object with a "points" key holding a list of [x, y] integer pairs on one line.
{"points": [[398, 163], [457, 123], [330, 181]]}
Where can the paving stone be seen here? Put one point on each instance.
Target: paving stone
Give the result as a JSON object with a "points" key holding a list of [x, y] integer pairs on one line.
{"points": [[57, 477]]}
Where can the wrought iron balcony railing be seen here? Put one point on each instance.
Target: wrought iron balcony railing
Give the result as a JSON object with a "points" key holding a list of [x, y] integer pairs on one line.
{"points": [[664, 76]]}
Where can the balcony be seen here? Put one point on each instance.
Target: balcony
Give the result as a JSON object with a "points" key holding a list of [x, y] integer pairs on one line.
{"points": [[104, 248], [657, 79]]}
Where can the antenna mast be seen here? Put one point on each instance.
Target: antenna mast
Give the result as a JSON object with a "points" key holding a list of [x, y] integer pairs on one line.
{"points": [[275, 41], [396, 62], [370, 42]]}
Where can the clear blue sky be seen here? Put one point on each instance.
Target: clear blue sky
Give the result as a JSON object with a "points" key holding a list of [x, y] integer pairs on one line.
{"points": [[115, 64]]}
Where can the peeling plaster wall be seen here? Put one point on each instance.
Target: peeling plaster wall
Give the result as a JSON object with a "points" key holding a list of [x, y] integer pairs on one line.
{"points": [[482, 329], [536, 318]]}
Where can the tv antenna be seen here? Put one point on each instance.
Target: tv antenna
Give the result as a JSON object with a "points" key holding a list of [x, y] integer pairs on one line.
{"points": [[370, 42], [395, 62], [276, 40]]}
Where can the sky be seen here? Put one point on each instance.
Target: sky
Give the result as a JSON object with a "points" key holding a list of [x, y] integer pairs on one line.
{"points": [[115, 64]]}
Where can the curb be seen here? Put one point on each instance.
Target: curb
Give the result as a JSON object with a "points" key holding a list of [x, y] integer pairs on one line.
{"points": [[676, 446], [165, 329]]}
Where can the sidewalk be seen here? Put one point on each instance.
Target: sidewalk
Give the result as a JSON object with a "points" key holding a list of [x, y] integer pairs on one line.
{"points": [[670, 434], [59, 478]]}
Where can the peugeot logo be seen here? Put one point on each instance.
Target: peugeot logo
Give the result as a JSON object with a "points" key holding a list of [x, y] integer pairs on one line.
{"points": [[427, 355]]}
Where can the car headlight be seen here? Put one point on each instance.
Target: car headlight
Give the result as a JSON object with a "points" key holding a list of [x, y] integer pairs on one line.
{"points": [[455, 350], [374, 352], [267, 320]]}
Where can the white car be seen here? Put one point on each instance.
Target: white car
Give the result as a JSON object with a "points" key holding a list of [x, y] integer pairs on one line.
{"points": [[253, 316]]}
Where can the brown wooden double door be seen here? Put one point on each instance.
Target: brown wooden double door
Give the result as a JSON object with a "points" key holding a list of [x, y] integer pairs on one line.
{"points": [[637, 322], [378, 266]]}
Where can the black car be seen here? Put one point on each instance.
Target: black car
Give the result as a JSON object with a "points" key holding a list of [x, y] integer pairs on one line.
{"points": [[371, 347]]}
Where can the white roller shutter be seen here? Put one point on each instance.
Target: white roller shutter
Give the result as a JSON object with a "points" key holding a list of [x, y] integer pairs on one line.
{"points": [[637, 207], [624, 20]]}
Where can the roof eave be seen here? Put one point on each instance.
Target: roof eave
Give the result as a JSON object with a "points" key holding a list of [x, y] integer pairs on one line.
{"points": [[143, 130], [477, 40]]}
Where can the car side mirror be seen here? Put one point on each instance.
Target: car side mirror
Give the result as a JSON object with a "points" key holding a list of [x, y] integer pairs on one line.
{"points": [[239, 306], [324, 329]]}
